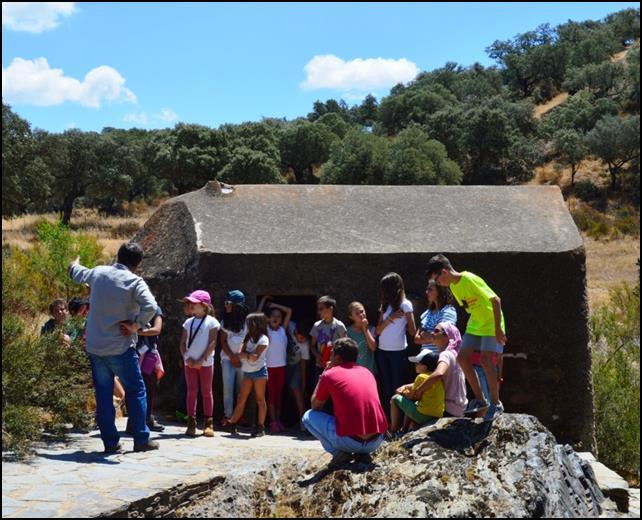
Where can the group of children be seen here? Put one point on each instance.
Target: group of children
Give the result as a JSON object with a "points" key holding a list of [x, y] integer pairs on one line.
{"points": [[263, 351]]}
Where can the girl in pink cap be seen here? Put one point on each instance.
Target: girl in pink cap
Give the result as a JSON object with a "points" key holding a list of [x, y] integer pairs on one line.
{"points": [[198, 342]]}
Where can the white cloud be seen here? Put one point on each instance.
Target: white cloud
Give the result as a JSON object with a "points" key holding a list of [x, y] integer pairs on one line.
{"points": [[34, 82], [35, 17], [167, 115], [139, 118], [329, 71]]}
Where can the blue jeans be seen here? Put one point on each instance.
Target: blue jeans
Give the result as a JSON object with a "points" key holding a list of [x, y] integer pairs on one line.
{"points": [[324, 428], [126, 367], [232, 378], [391, 371]]}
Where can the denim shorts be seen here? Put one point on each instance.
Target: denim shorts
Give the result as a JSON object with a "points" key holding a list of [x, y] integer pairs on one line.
{"points": [[293, 373], [259, 374], [481, 343]]}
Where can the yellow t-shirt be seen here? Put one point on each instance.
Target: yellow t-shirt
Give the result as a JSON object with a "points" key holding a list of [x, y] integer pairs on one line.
{"points": [[433, 400], [473, 294]]}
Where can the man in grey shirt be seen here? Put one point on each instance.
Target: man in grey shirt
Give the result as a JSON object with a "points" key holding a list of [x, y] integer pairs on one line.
{"points": [[120, 304]]}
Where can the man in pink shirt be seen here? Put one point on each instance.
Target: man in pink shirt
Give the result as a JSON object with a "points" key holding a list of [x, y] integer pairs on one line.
{"points": [[357, 428]]}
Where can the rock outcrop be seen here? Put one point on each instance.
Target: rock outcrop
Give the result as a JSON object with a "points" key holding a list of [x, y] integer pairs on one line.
{"points": [[457, 468]]}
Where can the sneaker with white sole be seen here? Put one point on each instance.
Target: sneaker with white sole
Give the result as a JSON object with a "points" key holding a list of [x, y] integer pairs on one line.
{"points": [[339, 459]]}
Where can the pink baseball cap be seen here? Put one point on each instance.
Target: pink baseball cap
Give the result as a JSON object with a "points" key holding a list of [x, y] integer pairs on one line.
{"points": [[199, 297]]}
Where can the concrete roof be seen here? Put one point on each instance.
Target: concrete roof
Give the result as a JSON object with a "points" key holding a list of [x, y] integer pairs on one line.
{"points": [[255, 219]]}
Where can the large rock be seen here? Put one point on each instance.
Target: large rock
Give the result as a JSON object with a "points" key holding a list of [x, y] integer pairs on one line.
{"points": [[457, 468], [300, 242]]}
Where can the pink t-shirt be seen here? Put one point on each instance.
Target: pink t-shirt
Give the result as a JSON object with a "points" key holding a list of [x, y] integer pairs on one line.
{"points": [[353, 390], [454, 384]]}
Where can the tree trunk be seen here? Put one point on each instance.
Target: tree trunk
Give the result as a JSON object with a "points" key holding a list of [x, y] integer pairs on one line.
{"points": [[67, 209], [573, 172], [613, 174]]}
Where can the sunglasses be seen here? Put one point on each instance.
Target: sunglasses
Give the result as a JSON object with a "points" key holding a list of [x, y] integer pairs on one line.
{"points": [[439, 331]]}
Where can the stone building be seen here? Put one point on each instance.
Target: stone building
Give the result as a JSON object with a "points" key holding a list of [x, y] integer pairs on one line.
{"points": [[298, 242]]}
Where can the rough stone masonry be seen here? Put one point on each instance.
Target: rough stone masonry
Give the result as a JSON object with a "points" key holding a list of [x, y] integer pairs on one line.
{"points": [[310, 240]]}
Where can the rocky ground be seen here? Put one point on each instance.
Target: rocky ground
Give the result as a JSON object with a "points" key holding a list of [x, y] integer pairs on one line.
{"points": [[457, 468]]}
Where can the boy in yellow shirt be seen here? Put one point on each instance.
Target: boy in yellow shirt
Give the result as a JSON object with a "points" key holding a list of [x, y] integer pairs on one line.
{"points": [[485, 332], [432, 403]]}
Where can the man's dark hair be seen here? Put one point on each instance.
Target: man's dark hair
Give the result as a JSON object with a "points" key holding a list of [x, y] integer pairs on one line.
{"points": [[76, 304], [436, 264], [130, 254], [347, 349], [328, 302]]}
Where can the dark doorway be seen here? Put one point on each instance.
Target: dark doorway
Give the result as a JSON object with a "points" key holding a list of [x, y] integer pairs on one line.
{"points": [[304, 311]]}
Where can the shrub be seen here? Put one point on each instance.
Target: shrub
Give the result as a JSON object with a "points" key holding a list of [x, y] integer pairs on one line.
{"points": [[591, 221], [587, 191], [615, 336], [44, 384], [125, 230]]}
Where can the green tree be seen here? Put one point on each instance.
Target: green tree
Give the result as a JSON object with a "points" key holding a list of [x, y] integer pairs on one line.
{"points": [[580, 112], [25, 183], [71, 158], [304, 145], [571, 149], [416, 159], [617, 142], [602, 79], [367, 113], [335, 123], [249, 166], [633, 79], [412, 104], [532, 62], [188, 156], [360, 158]]}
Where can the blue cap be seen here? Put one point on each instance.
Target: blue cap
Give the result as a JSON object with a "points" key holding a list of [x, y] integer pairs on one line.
{"points": [[235, 296]]}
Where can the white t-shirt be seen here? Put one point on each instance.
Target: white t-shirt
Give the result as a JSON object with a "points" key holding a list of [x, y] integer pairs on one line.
{"points": [[201, 339], [393, 337], [255, 366], [234, 341], [278, 351]]}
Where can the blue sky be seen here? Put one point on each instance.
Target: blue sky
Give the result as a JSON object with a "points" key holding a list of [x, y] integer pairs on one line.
{"points": [[91, 65]]}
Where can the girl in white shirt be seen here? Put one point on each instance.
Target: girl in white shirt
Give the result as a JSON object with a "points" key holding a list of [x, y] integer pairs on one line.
{"points": [[396, 320], [253, 357]]}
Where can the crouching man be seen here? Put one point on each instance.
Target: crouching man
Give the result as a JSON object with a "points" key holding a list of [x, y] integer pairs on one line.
{"points": [[359, 423]]}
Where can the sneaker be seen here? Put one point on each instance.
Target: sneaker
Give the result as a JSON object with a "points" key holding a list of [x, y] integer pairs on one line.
{"points": [[191, 427], [363, 458], [208, 427], [339, 459], [231, 428], [150, 446], [259, 431], [494, 411], [476, 406], [113, 451]]}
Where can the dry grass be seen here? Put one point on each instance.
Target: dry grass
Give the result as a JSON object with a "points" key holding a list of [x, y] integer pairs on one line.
{"points": [[540, 110], [111, 232], [554, 173], [608, 264]]}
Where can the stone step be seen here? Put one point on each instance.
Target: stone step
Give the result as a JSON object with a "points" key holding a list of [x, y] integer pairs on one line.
{"points": [[611, 484]]}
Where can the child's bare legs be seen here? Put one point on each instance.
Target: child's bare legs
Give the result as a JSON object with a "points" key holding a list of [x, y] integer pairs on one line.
{"points": [[407, 423], [395, 416], [471, 376], [246, 388], [259, 393], [491, 375]]}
